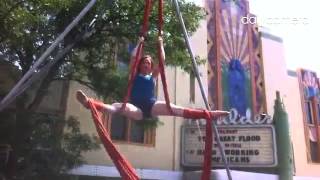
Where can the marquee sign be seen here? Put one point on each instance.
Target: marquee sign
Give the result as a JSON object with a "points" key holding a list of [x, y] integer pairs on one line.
{"points": [[244, 146]]}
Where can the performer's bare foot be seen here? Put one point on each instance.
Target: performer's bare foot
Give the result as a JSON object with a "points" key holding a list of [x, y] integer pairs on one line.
{"points": [[217, 114], [82, 98]]}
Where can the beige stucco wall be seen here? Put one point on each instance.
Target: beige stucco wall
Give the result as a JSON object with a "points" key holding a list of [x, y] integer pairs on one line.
{"points": [[275, 70], [277, 79], [55, 95]]}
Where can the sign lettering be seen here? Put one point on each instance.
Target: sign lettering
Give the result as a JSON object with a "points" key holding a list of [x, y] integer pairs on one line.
{"points": [[244, 146]]}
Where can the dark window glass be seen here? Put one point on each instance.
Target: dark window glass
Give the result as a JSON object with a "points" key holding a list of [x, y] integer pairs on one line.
{"points": [[314, 151], [118, 127], [318, 114], [308, 107], [136, 132]]}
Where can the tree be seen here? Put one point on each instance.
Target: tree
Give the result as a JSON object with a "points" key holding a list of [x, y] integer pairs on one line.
{"points": [[28, 27], [41, 150]]}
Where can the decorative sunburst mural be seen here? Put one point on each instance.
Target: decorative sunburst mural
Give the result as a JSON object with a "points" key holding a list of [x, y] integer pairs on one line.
{"points": [[235, 76], [309, 83]]}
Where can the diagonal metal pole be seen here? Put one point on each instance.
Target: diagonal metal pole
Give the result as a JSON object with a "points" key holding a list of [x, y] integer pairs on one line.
{"points": [[11, 95], [196, 71], [43, 71]]}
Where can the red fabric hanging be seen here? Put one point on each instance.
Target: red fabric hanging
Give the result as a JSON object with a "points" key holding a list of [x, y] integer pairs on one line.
{"points": [[161, 57], [206, 169], [133, 73], [145, 23], [133, 70], [125, 169]]}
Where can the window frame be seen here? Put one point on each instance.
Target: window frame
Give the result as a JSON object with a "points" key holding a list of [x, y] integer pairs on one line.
{"points": [[315, 114], [309, 113], [148, 134], [314, 124]]}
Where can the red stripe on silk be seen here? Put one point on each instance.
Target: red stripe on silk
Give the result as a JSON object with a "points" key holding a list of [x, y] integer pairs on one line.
{"points": [[125, 169]]}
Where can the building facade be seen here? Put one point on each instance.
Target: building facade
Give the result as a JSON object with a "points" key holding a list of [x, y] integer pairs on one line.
{"points": [[246, 67], [259, 59]]}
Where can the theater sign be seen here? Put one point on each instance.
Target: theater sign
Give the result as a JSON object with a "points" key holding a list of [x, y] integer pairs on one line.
{"points": [[246, 143]]}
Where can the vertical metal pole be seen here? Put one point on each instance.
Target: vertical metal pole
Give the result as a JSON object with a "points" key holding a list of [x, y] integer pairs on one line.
{"points": [[196, 71]]}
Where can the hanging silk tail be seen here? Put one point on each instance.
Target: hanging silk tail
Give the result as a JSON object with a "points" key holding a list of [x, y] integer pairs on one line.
{"points": [[125, 169], [206, 169]]}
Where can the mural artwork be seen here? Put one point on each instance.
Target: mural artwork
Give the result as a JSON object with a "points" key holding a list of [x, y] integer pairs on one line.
{"points": [[309, 83], [235, 71]]}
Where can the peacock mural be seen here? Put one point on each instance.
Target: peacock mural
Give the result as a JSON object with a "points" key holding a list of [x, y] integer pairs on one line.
{"points": [[235, 76]]}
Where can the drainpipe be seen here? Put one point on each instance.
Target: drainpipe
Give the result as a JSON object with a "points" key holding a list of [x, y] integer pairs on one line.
{"points": [[284, 151]]}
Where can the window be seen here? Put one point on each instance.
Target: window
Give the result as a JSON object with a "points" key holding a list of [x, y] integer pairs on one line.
{"points": [[308, 108], [309, 89], [318, 113], [312, 119], [118, 127], [314, 151], [123, 129], [129, 131]]}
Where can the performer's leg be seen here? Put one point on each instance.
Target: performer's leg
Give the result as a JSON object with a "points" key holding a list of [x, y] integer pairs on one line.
{"points": [[83, 99], [130, 111], [160, 109]]}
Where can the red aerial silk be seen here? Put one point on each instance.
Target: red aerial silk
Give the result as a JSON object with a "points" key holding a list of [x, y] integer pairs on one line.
{"points": [[203, 114], [133, 73], [125, 169], [206, 169]]}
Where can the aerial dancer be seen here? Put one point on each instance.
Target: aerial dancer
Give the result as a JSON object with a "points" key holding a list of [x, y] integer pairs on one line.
{"points": [[143, 104]]}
